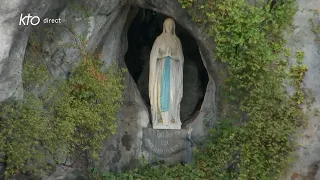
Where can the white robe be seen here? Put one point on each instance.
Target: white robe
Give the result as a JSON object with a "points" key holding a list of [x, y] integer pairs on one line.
{"points": [[167, 44]]}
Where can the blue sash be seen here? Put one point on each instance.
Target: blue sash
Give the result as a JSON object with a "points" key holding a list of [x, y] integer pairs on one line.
{"points": [[165, 85]]}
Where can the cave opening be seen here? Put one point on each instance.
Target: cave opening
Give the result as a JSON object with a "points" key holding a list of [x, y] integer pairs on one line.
{"points": [[143, 31]]}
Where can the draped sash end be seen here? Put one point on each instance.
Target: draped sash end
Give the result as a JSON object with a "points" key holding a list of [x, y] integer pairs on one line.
{"points": [[165, 85]]}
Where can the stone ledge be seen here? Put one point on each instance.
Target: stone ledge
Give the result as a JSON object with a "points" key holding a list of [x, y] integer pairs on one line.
{"points": [[160, 126]]}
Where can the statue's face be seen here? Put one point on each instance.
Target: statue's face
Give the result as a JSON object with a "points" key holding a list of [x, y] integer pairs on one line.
{"points": [[169, 29], [169, 26]]}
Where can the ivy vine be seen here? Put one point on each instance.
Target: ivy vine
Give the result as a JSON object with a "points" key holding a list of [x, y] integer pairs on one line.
{"points": [[71, 117]]}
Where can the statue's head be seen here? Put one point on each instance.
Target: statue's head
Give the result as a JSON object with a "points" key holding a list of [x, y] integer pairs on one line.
{"points": [[169, 26]]}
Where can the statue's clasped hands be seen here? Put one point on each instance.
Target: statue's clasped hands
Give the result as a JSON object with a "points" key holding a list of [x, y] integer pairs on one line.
{"points": [[169, 53]]}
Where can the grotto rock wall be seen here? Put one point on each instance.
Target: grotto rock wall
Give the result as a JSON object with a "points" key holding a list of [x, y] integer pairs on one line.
{"points": [[307, 162], [105, 32], [13, 40]]}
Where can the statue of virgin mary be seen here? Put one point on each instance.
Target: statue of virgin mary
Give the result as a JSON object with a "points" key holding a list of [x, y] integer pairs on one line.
{"points": [[166, 78]]}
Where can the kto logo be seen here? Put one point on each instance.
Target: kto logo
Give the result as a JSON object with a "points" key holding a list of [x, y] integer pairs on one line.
{"points": [[25, 20]]}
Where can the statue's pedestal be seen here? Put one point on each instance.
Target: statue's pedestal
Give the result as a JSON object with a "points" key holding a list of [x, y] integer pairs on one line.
{"points": [[161, 126], [171, 146]]}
